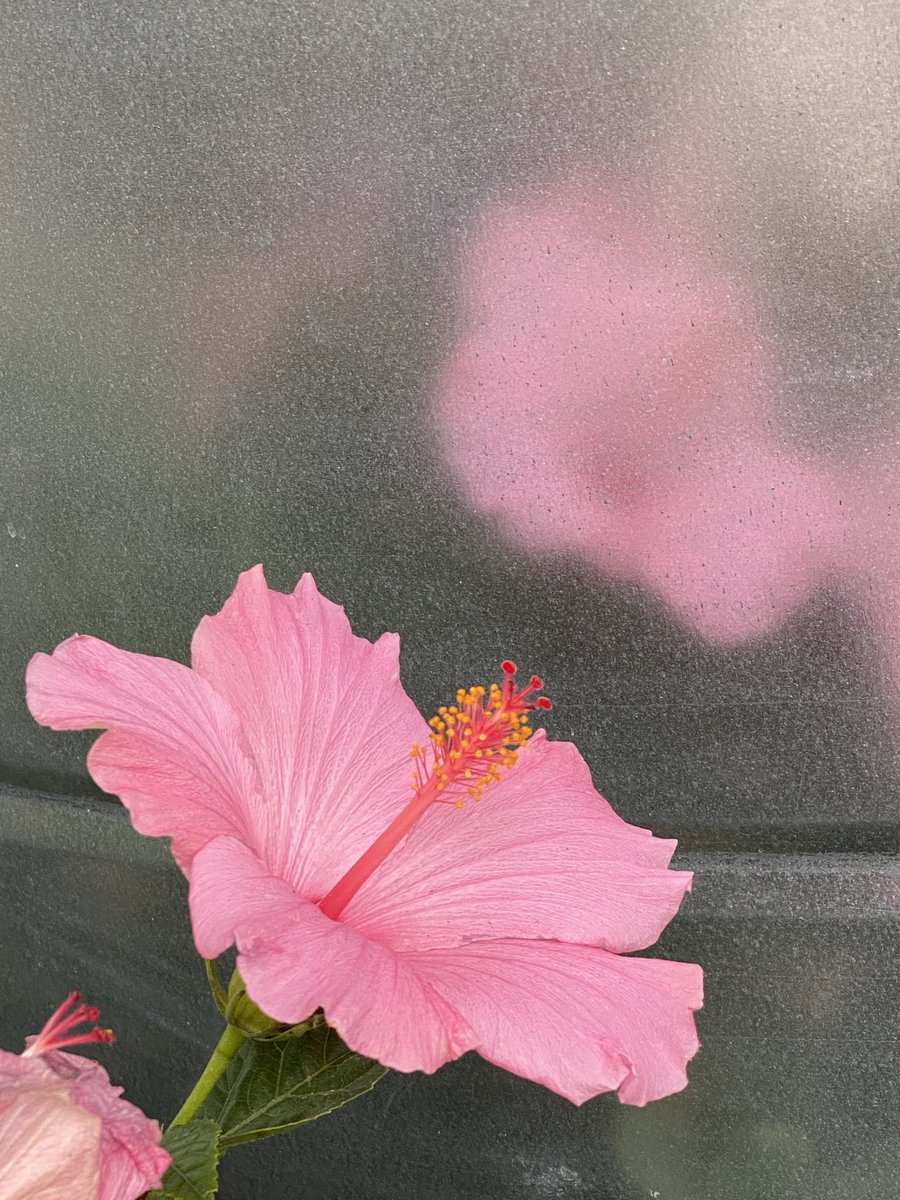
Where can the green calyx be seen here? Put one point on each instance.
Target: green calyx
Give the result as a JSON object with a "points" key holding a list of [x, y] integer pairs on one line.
{"points": [[245, 1015]]}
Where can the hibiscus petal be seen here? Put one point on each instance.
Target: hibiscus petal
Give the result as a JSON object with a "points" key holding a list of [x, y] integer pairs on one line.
{"points": [[575, 1018], [131, 1158], [294, 960], [49, 1148], [173, 752], [326, 717], [542, 855]]}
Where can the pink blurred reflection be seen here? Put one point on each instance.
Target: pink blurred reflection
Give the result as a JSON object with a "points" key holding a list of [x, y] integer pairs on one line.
{"points": [[610, 397]]}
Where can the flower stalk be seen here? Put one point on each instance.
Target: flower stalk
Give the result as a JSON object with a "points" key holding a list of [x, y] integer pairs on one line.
{"points": [[226, 1048]]}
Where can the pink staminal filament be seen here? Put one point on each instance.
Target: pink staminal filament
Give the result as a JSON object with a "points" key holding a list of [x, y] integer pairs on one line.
{"points": [[57, 1032]]}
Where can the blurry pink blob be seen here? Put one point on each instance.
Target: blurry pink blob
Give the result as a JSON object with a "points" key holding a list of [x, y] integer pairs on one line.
{"points": [[607, 398]]}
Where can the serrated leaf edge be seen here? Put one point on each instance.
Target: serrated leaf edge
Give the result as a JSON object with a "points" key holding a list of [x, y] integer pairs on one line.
{"points": [[209, 1193], [357, 1087]]}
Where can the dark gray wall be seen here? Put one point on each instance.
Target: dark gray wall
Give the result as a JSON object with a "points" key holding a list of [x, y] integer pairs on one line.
{"points": [[564, 331]]}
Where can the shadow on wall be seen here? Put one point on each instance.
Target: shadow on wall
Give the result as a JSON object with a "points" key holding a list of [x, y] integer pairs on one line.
{"points": [[614, 394]]}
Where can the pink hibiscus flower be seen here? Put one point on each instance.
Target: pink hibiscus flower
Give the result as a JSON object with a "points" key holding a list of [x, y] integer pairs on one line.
{"points": [[280, 766], [65, 1132]]}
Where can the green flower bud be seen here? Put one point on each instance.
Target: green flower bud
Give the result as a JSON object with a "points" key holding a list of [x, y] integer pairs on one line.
{"points": [[241, 1011]]}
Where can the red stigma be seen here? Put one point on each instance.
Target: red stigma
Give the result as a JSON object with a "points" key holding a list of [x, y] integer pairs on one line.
{"points": [[509, 666], [60, 1029], [522, 699]]}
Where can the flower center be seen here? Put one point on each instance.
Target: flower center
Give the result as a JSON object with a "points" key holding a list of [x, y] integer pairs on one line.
{"points": [[472, 742], [58, 1030], [475, 739]]}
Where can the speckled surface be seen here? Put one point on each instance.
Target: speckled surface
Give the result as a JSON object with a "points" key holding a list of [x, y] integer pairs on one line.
{"points": [[559, 330], [231, 271], [793, 1095]]}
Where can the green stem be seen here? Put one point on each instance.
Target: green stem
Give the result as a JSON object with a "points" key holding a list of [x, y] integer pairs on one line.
{"points": [[229, 1044]]}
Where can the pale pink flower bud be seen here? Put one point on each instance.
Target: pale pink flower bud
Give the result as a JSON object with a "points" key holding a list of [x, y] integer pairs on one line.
{"points": [[65, 1132]]}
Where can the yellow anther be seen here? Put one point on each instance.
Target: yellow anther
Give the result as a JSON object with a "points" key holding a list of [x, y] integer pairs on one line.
{"points": [[460, 804], [474, 740]]}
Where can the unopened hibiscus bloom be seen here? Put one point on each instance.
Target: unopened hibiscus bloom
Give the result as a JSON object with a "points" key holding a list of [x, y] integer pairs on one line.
{"points": [[65, 1132], [316, 815]]}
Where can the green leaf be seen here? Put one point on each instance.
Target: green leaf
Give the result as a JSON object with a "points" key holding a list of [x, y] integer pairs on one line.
{"points": [[277, 1084], [193, 1173]]}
